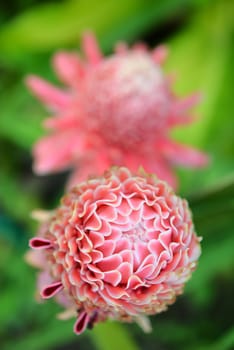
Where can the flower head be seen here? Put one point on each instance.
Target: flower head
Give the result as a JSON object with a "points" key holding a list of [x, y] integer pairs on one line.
{"points": [[114, 111], [120, 246]]}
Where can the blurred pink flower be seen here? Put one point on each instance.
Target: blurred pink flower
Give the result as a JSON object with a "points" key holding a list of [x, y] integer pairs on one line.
{"points": [[120, 246], [115, 111]]}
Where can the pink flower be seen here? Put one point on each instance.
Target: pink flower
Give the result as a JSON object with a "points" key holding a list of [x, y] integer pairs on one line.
{"points": [[120, 247], [114, 111]]}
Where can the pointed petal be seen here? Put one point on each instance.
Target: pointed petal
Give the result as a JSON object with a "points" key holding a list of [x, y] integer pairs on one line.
{"points": [[91, 48], [40, 243], [153, 164], [69, 68], [35, 258], [53, 97], [179, 108], [80, 174], [140, 47], [121, 47], [180, 154], [96, 165], [81, 322], [41, 215], [183, 104], [57, 152], [159, 54], [182, 119], [144, 323], [51, 290], [63, 122], [66, 314]]}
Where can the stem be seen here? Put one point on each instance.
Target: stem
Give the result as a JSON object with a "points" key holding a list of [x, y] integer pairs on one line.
{"points": [[112, 335]]}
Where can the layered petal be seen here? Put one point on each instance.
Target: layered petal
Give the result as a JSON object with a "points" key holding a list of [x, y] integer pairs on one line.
{"points": [[120, 246]]}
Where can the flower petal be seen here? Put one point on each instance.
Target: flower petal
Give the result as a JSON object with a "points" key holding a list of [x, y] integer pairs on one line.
{"points": [[91, 48], [54, 98], [51, 290], [81, 323], [69, 68], [183, 155], [40, 243]]}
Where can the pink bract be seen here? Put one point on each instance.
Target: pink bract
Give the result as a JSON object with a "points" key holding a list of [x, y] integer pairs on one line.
{"points": [[120, 246], [114, 111]]}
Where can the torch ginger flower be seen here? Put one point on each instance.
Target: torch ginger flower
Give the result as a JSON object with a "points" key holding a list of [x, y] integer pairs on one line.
{"points": [[120, 246], [114, 111]]}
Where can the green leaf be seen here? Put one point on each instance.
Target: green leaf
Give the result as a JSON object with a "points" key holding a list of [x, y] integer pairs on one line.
{"points": [[47, 27], [11, 231], [213, 212], [21, 116], [15, 199], [226, 342], [203, 57], [213, 207]]}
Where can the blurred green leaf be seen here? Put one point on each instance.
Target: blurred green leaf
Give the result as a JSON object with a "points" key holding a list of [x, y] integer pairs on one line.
{"points": [[213, 212], [44, 337], [11, 231], [213, 208], [15, 200], [226, 342], [107, 18], [20, 116], [203, 57], [202, 283], [16, 283]]}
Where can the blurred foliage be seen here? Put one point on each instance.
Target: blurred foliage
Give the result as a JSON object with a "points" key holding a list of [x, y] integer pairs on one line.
{"points": [[208, 44], [198, 34]]}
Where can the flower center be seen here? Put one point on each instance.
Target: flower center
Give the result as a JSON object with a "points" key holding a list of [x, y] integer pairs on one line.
{"points": [[138, 73], [137, 233], [127, 100]]}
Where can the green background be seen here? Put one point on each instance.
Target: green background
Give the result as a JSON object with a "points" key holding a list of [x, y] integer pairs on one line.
{"points": [[198, 35]]}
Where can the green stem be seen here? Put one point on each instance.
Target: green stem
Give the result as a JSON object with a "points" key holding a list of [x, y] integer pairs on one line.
{"points": [[112, 335]]}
